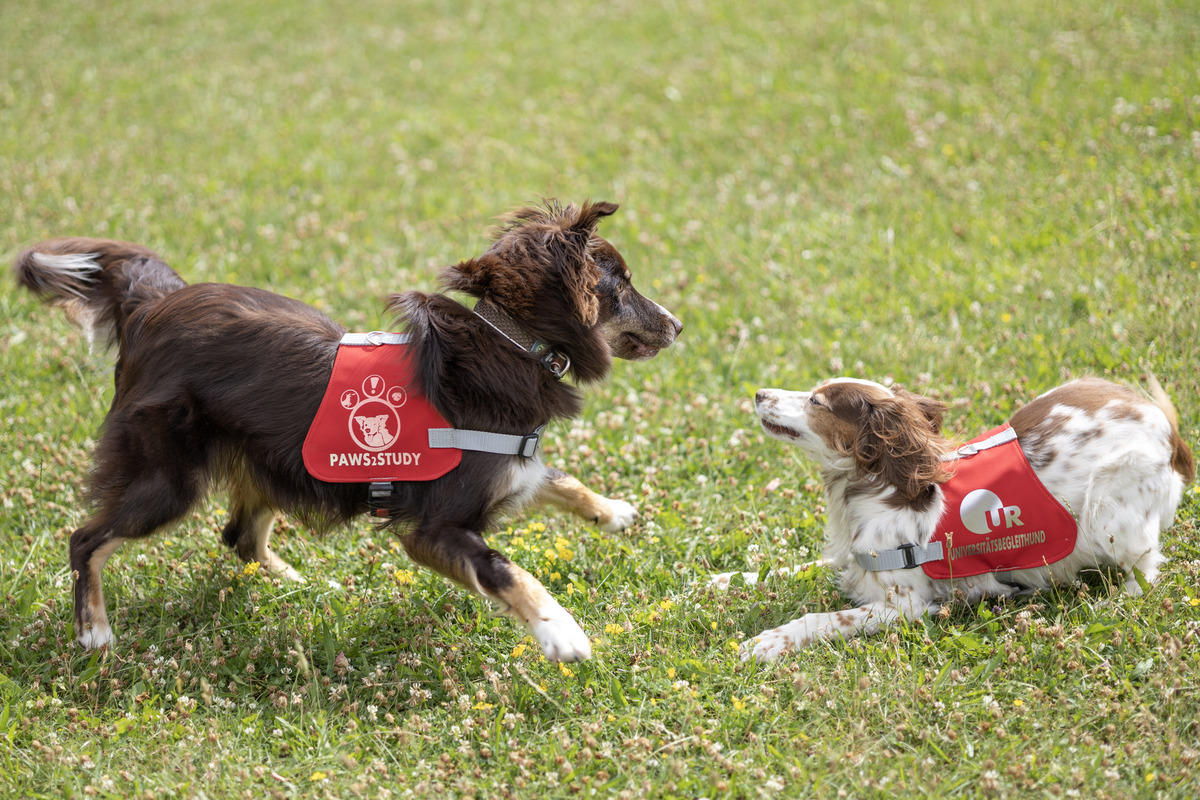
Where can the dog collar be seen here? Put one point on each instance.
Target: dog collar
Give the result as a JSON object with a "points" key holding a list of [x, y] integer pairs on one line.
{"points": [[554, 362], [906, 556]]}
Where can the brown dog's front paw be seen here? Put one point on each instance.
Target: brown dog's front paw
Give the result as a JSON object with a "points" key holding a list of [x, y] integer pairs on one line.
{"points": [[620, 516]]}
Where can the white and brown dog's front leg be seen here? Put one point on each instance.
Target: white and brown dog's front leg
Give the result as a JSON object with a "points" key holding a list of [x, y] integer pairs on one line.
{"points": [[562, 491], [464, 557], [721, 580], [864, 620]]}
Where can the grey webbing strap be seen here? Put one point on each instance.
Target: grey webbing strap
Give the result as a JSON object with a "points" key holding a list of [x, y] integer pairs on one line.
{"points": [[1006, 435], [505, 444], [375, 338], [906, 556]]}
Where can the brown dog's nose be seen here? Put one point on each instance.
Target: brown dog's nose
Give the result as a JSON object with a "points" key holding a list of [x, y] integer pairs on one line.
{"points": [[760, 397]]}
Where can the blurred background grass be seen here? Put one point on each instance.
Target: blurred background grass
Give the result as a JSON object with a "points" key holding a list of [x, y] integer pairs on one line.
{"points": [[976, 200]]}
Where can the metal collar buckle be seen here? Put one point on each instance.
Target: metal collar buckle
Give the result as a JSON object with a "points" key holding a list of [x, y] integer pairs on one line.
{"points": [[556, 363]]}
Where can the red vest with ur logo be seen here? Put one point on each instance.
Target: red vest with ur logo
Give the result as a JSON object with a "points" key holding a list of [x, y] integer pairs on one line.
{"points": [[999, 516]]}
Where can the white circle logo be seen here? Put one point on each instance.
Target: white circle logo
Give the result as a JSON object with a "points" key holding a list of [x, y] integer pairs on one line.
{"points": [[976, 507]]}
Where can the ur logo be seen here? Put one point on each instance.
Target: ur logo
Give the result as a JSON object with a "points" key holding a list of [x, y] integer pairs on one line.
{"points": [[982, 512], [373, 421]]}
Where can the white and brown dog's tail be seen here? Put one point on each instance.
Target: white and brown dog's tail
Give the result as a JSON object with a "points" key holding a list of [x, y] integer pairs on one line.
{"points": [[1181, 459], [99, 283]]}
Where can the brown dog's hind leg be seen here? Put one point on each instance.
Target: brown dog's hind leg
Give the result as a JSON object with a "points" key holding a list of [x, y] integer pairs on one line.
{"points": [[567, 493], [464, 557], [248, 530], [137, 502], [91, 547]]}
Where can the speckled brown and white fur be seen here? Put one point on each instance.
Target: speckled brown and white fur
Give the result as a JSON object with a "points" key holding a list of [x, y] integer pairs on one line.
{"points": [[1113, 456]]}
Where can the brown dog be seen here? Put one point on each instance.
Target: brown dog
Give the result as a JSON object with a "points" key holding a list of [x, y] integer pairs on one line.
{"points": [[216, 382]]}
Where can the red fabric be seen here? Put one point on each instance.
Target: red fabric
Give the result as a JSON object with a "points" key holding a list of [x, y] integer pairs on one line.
{"points": [[999, 517], [370, 427]]}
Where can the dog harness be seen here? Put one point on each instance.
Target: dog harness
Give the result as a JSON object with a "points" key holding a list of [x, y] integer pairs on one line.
{"points": [[371, 427], [998, 516]]}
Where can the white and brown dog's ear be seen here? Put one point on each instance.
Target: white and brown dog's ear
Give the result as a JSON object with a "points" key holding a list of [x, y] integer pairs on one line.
{"points": [[897, 443], [933, 410]]}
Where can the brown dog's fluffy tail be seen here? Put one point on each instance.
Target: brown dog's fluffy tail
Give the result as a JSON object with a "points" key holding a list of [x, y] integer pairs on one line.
{"points": [[97, 282]]}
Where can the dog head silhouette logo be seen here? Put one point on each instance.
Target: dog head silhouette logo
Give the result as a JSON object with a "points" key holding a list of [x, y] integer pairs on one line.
{"points": [[374, 422]]}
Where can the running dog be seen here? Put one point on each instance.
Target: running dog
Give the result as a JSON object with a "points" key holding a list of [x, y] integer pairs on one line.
{"points": [[218, 384]]}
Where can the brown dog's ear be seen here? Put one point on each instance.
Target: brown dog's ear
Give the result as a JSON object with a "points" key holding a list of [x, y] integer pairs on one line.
{"points": [[473, 276], [590, 214], [583, 275], [581, 285], [896, 443]]}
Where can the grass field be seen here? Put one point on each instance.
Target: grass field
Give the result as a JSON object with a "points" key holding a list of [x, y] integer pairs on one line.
{"points": [[975, 199]]}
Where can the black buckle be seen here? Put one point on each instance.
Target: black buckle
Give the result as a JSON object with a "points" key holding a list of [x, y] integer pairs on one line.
{"points": [[910, 560], [379, 494], [529, 444]]}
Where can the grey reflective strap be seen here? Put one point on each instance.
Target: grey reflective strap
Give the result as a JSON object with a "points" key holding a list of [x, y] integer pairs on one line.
{"points": [[1006, 435], [505, 444], [905, 557], [375, 338]]}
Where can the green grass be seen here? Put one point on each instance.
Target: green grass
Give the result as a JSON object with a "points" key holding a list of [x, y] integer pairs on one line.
{"points": [[975, 199]]}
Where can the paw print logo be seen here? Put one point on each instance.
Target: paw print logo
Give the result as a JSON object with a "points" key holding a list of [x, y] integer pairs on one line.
{"points": [[374, 421]]}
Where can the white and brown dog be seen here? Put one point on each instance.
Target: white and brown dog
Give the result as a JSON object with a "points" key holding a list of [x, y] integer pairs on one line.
{"points": [[1112, 457]]}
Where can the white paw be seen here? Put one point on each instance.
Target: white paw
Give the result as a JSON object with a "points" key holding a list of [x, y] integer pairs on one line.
{"points": [[96, 636], [280, 568], [559, 635], [771, 644], [622, 516], [721, 580]]}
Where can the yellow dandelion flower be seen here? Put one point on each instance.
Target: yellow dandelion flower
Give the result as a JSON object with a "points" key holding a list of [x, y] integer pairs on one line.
{"points": [[739, 703], [404, 577], [670, 673], [318, 776], [482, 706], [519, 650], [565, 670], [252, 568]]}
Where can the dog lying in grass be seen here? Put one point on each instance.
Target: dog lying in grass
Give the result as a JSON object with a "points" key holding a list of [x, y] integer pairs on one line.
{"points": [[218, 383], [1111, 461]]}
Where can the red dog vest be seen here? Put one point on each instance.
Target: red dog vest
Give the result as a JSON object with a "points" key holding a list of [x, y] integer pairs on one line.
{"points": [[999, 516], [370, 426]]}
